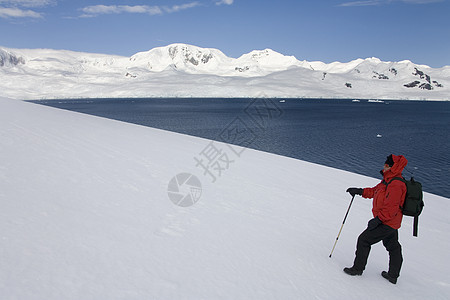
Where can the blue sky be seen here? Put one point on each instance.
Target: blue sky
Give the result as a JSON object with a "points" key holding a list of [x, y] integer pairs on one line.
{"points": [[328, 30]]}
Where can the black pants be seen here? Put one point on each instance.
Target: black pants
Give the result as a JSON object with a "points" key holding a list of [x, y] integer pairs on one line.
{"points": [[389, 236]]}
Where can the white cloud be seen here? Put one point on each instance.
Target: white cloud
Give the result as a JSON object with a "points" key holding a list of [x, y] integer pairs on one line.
{"points": [[361, 3], [20, 8], [227, 2], [27, 3], [96, 10], [421, 1], [176, 8], [6, 12], [382, 2]]}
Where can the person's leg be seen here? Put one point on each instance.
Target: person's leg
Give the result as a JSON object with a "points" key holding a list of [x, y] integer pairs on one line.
{"points": [[395, 253], [365, 240]]}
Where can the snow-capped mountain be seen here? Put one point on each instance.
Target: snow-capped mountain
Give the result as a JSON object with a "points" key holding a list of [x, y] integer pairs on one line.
{"points": [[8, 59], [182, 57], [181, 70], [196, 60]]}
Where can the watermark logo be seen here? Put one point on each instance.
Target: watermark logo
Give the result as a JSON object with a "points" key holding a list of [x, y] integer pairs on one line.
{"points": [[216, 158], [184, 189]]}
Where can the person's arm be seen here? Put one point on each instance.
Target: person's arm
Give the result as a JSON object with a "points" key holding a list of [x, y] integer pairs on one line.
{"points": [[370, 192]]}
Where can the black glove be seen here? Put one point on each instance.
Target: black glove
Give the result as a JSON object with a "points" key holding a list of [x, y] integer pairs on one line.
{"points": [[355, 191], [374, 223]]}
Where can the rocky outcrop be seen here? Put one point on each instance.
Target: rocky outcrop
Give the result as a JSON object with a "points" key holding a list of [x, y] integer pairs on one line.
{"points": [[423, 85], [9, 59], [379, 76]]}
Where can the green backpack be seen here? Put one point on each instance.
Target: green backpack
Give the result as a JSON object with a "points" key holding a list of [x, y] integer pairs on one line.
{"points": [[413, 204]]}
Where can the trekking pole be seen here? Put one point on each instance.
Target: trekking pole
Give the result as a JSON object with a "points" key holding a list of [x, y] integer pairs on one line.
{"points": [[342, 225]]}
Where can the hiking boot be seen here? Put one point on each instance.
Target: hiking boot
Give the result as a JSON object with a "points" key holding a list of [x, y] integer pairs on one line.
{"points": [[388, 277], [352, 271]]}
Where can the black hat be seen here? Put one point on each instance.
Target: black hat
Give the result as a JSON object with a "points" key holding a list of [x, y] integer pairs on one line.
{"points": [[389, 161]]}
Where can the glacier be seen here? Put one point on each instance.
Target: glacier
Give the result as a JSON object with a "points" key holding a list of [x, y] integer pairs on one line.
{"points": [[181, 70]]}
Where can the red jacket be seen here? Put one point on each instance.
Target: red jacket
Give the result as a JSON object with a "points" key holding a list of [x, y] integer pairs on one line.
{"points": [[387, 199]]}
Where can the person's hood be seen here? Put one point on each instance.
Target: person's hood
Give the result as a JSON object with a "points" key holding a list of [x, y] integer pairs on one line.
{"points": [[396, 170]]}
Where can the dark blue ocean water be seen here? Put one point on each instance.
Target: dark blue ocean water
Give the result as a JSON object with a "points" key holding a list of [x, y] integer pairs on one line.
{"points": [[353, 136]]}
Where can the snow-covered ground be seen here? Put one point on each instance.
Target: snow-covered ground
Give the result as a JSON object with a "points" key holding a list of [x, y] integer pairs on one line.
{"points": [[85, 214], [181, 70]]}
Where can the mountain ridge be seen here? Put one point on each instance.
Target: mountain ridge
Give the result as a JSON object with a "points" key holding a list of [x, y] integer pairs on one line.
{"points": [[95, 74]]}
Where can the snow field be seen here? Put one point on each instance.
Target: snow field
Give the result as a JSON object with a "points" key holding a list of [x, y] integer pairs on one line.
{"points": [[85, 215], [180, 70]]}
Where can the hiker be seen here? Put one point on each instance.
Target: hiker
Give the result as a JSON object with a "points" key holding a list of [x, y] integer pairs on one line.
{"points": [[387, 219]]}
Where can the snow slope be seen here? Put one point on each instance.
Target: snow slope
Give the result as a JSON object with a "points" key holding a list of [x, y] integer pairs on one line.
{"points": [[180, 70], [85, 214]]}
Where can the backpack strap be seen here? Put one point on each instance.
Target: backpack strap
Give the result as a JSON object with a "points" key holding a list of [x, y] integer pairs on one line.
{"points": [[416, 226], [397, 178]]}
